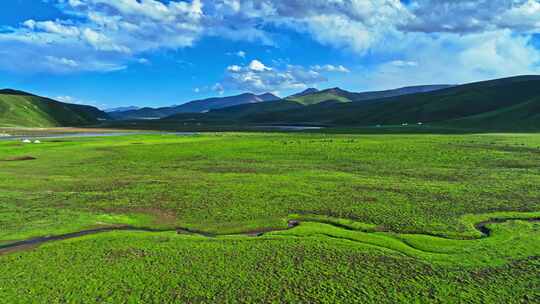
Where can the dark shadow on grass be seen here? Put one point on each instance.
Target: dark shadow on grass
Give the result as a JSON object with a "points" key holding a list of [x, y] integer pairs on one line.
{"points": [[18, 158]]}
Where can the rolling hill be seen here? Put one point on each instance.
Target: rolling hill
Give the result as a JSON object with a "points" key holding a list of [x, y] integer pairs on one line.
{"points": [[23, 109], [197, 106], [522, 116], [501, 102]]}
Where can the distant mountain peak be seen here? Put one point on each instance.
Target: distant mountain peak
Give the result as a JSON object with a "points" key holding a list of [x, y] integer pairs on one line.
{"points": [[305, 92], [240, 95], [335, 90], [268, 97], [196, 106], [122, 109]]}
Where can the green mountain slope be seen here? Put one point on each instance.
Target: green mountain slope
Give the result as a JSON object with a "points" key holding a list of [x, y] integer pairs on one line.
{"points": [[335, 94], [523, 116], [482, 103], [26, 110], [339, 95]]}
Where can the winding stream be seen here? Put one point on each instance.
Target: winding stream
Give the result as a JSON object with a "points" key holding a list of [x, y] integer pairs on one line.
{"points": [[34, 242]]}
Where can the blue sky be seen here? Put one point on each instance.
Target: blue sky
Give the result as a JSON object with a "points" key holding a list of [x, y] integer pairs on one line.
{"points": [[158, 53]]}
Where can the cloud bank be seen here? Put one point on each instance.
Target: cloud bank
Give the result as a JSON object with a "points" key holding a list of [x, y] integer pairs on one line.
{"points": [[437, 41]]}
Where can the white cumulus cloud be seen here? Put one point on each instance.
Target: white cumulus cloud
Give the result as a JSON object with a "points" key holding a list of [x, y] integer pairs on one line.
{"points": [[331, 68], [258, 66], [257, 77], [102, 34]]}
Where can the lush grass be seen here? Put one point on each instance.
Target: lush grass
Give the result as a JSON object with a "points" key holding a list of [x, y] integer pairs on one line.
{"points": [[391, 191], [223, 183], [516, 240], [312, 263]]}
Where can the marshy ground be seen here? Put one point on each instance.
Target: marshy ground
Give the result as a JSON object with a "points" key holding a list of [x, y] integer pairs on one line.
{"points": [[382, 218]]}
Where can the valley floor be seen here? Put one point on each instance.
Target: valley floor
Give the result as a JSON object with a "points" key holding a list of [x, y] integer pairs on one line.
{"points": [[382, 218]]}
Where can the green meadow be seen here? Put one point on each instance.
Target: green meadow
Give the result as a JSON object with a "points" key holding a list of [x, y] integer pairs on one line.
{"points": [[382, 218]]}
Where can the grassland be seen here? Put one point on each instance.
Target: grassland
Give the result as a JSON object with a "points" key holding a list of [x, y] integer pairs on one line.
{"points": [[384, 218]]}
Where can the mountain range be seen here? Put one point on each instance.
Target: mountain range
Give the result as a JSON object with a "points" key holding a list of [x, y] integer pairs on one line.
{"points": [[501, 104], [121, 109], [197, 106], [306, 99]]}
